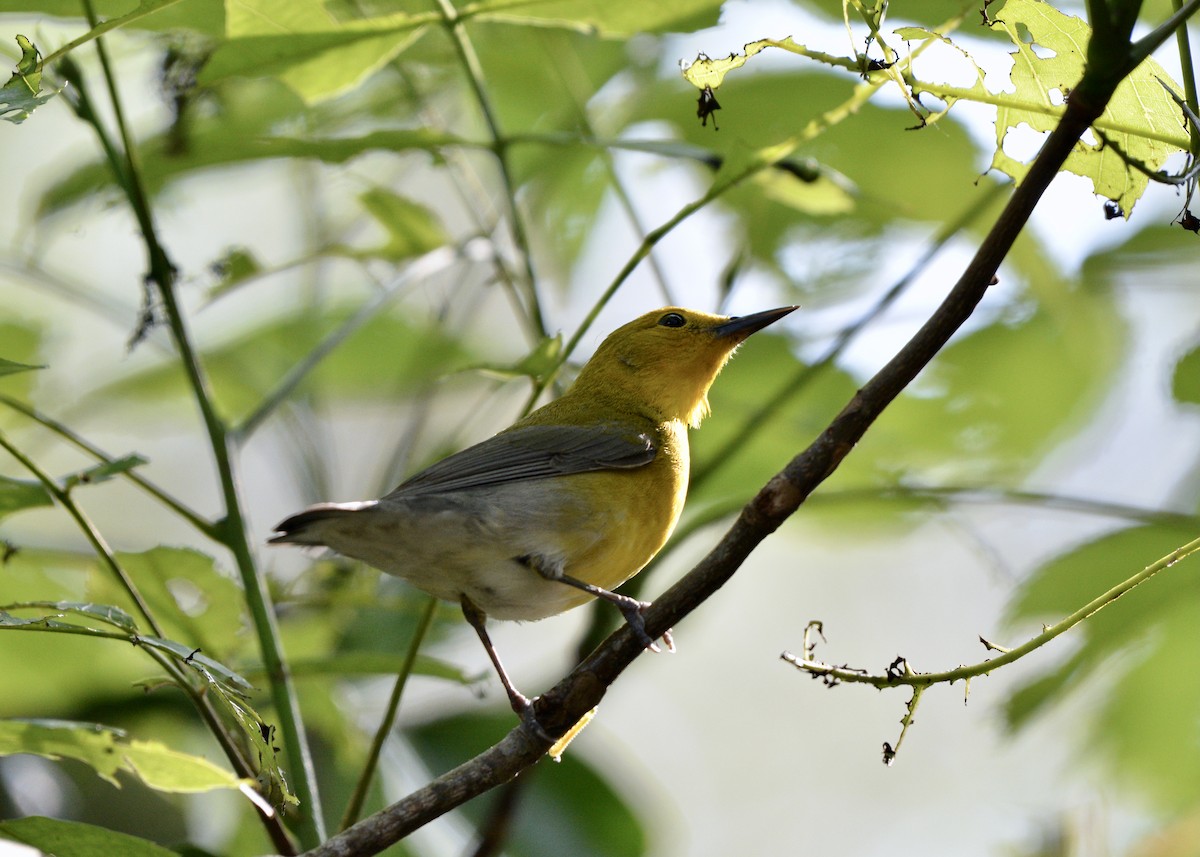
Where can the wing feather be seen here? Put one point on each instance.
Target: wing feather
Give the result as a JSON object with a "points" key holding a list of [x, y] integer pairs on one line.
{"points": [[533, 452]]}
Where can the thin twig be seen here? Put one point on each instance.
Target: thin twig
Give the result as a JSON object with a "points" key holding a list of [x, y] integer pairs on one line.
{"points": [[194, 518], [476, 78], [90, 532], [910, 678], [367, 775]]}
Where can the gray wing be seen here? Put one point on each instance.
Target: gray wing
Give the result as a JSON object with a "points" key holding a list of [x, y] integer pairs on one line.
{"points": [[533, 452]]}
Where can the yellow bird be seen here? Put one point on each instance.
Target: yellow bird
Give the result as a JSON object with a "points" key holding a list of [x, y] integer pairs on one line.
{"points": [[565, 505]]}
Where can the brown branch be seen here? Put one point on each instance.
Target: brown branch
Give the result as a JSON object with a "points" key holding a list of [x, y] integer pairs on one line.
{"points": [[583, 688]]}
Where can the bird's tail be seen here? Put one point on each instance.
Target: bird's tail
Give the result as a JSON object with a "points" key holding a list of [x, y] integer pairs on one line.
{"points": [[304, 528]]}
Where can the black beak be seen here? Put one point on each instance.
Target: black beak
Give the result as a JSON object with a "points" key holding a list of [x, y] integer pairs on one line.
{"points": [[742, 326]]}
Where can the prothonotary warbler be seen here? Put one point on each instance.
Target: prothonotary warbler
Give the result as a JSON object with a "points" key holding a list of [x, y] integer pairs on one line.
{"points": [[564, 506]]}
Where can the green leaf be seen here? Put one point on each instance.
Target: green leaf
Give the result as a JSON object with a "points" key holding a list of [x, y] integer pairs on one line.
{"points": [[386, 353], [1185, 383], [542, 359], [75, 839], [412, 228], [569, 808], [104, 613], [204, 16], [18, 494], [216, 673], [303, 45], [1141, 117], [11, 367], [23, 346], [232, 270], [609, 18], [191, 599], [23, 92], [109, 751], [104, 471], [1143, 647]]}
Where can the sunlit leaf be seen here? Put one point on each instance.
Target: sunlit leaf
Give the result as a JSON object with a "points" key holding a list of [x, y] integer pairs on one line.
{"points": [[204, 16], [1141, 117], [608, 18], [109, 751], [299, 42]]}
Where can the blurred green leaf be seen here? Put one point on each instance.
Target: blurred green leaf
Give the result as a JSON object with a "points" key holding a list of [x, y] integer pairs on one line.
{"points": [[388, 353], [303, 45], [22, 346], [610, 19], [205, 16], [233, 269], [103, 472], [1185, 383], [412, 228], [568, 808], [108, 751], [224, 135], [18, 494], [1143, 648], [377, 663], [987, 409], [75, 839], [11, 367]]}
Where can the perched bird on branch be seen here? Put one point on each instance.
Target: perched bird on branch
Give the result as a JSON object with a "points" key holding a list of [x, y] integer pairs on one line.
{"points": [[565, 505]]}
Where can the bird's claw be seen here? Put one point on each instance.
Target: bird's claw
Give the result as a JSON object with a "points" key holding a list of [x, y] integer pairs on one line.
{"points": [[523, 707], [632, 611]]}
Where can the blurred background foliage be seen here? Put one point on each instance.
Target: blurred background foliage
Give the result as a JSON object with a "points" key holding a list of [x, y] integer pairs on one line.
{"points": [[380, 230]]}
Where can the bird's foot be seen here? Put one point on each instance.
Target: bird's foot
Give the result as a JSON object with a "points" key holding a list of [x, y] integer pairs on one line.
{"points": [[633, 611], [522, 706]]}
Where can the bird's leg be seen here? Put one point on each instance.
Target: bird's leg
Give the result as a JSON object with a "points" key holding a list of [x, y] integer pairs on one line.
{"points": [[520, 703], [630, 608]]}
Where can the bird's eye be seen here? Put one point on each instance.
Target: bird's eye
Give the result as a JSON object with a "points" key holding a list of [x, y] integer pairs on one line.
{"points": [[672, 319]]}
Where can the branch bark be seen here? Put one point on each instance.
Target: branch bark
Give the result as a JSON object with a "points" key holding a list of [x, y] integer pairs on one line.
{"points": [[582, 689]]}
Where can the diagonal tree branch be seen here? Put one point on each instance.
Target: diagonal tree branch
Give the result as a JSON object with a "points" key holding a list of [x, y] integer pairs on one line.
{"points": [[583, 688]]}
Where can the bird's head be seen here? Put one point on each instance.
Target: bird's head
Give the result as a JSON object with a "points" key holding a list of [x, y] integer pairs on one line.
{"points": [[662, 363]]}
